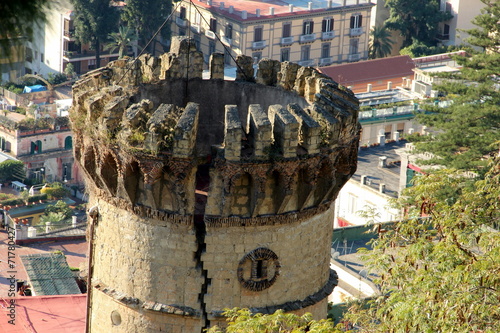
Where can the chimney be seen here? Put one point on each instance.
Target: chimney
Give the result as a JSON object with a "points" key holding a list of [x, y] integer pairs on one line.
{"points": [[369, 87], [411, 130], [395, 136], [363, 179], [209, 2], [244, 14], [381, 140], [290, 7], [382, 162], [222, 5], [231, 9], [257, 12], [389, 85], [310, 5], [271, 11], [381, 188], [329, 4]]}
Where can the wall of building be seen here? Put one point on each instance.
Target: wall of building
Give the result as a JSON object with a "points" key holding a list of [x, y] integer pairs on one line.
{"points": [[371, 132]]}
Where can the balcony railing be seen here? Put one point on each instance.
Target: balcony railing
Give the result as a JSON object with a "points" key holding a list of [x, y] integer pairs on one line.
{"points": [[389, 112], [356, 31], [325, 61], [181, 22], [327, 35], [354, 57], [307, 38], [443, 36], [210, 34], [226, 41], [69, 33], [259, 45], [306, 63], [286, 40], [87, 53]]}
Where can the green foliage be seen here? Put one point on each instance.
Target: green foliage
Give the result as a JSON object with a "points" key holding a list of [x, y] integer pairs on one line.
{"points": [[145, 17], [468, 130], [94, 21], [439, 274], [52, 218], [57, 78], [121, 40], [420, 49], [243, 321], [70, 70], [60, 207], [18, 20], [415, 20], [12, 202], [11, 170], [380, 45], [37, 197], [56, 191]]}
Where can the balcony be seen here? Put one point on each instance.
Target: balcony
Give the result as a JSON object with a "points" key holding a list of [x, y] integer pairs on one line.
{"points": [[443, 37], [306, 63], [325, 61], [286, 40], [226, 41], [210, 34], [196, 29], [354, 57], [181, 22], [259, 45], [69, 33], [307, 38], [327, 35], [355, 32], [86, 54]]}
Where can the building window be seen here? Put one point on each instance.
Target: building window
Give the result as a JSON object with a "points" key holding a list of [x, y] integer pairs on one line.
{"points": [[257, 34], [229, 31], [308, 28], [36, 147], [66, 172], [305, 52], [356, 21], [182, 14], [327, 25], [182, 32], [353, 46], [42, 57], [285, 54], [211, 47], [68, 143], [325, 50], [287, 30], [227, 57], [197, 42], [213, 25], [197, 18], [91, 64], [256, 57], [352, 204]]}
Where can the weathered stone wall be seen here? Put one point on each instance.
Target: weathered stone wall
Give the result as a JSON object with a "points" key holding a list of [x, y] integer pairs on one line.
{"points": [[211, 193]]}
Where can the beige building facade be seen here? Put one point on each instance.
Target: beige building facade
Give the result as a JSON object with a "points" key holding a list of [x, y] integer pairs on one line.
{"points": [[319, 34]]}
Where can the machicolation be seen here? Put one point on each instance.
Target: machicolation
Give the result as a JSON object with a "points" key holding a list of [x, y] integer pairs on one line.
{"points": [[211, 193]]}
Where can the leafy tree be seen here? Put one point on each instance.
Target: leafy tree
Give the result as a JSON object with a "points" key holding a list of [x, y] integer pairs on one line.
{"points": [[146, 17], [12, 170], [419, 49], [70, 70], [55, 191], [243, 321], [380, 45], [120, 40], [18, 19], [468, 130], [416, 20], [59, 207], [94, 21], [439, 274]]}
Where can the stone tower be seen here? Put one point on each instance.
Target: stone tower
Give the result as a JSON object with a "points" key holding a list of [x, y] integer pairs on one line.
{"points": [[210, 194]]}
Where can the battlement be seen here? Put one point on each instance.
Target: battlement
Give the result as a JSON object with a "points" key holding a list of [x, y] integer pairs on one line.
{"points": [[159, 118]]}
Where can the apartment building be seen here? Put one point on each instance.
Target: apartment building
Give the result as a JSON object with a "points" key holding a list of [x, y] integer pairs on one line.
{"points": [[315, 33], [463, 11]]}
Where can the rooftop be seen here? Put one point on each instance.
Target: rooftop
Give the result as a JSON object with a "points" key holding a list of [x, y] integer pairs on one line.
{"points": [[370, 70], [246, 10], [54, 314], [49, 274], [368, 165]]}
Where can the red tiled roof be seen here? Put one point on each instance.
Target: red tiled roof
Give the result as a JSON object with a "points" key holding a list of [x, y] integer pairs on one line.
{"points": [[44, 314], [370, 70]]}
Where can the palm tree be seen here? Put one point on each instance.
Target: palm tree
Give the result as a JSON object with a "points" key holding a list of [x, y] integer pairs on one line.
{"points": [[380, 42], [121, 40]]}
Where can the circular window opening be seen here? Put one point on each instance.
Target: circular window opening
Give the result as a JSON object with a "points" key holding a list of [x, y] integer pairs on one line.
{"points": [[116, 319], [258, 269]]}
